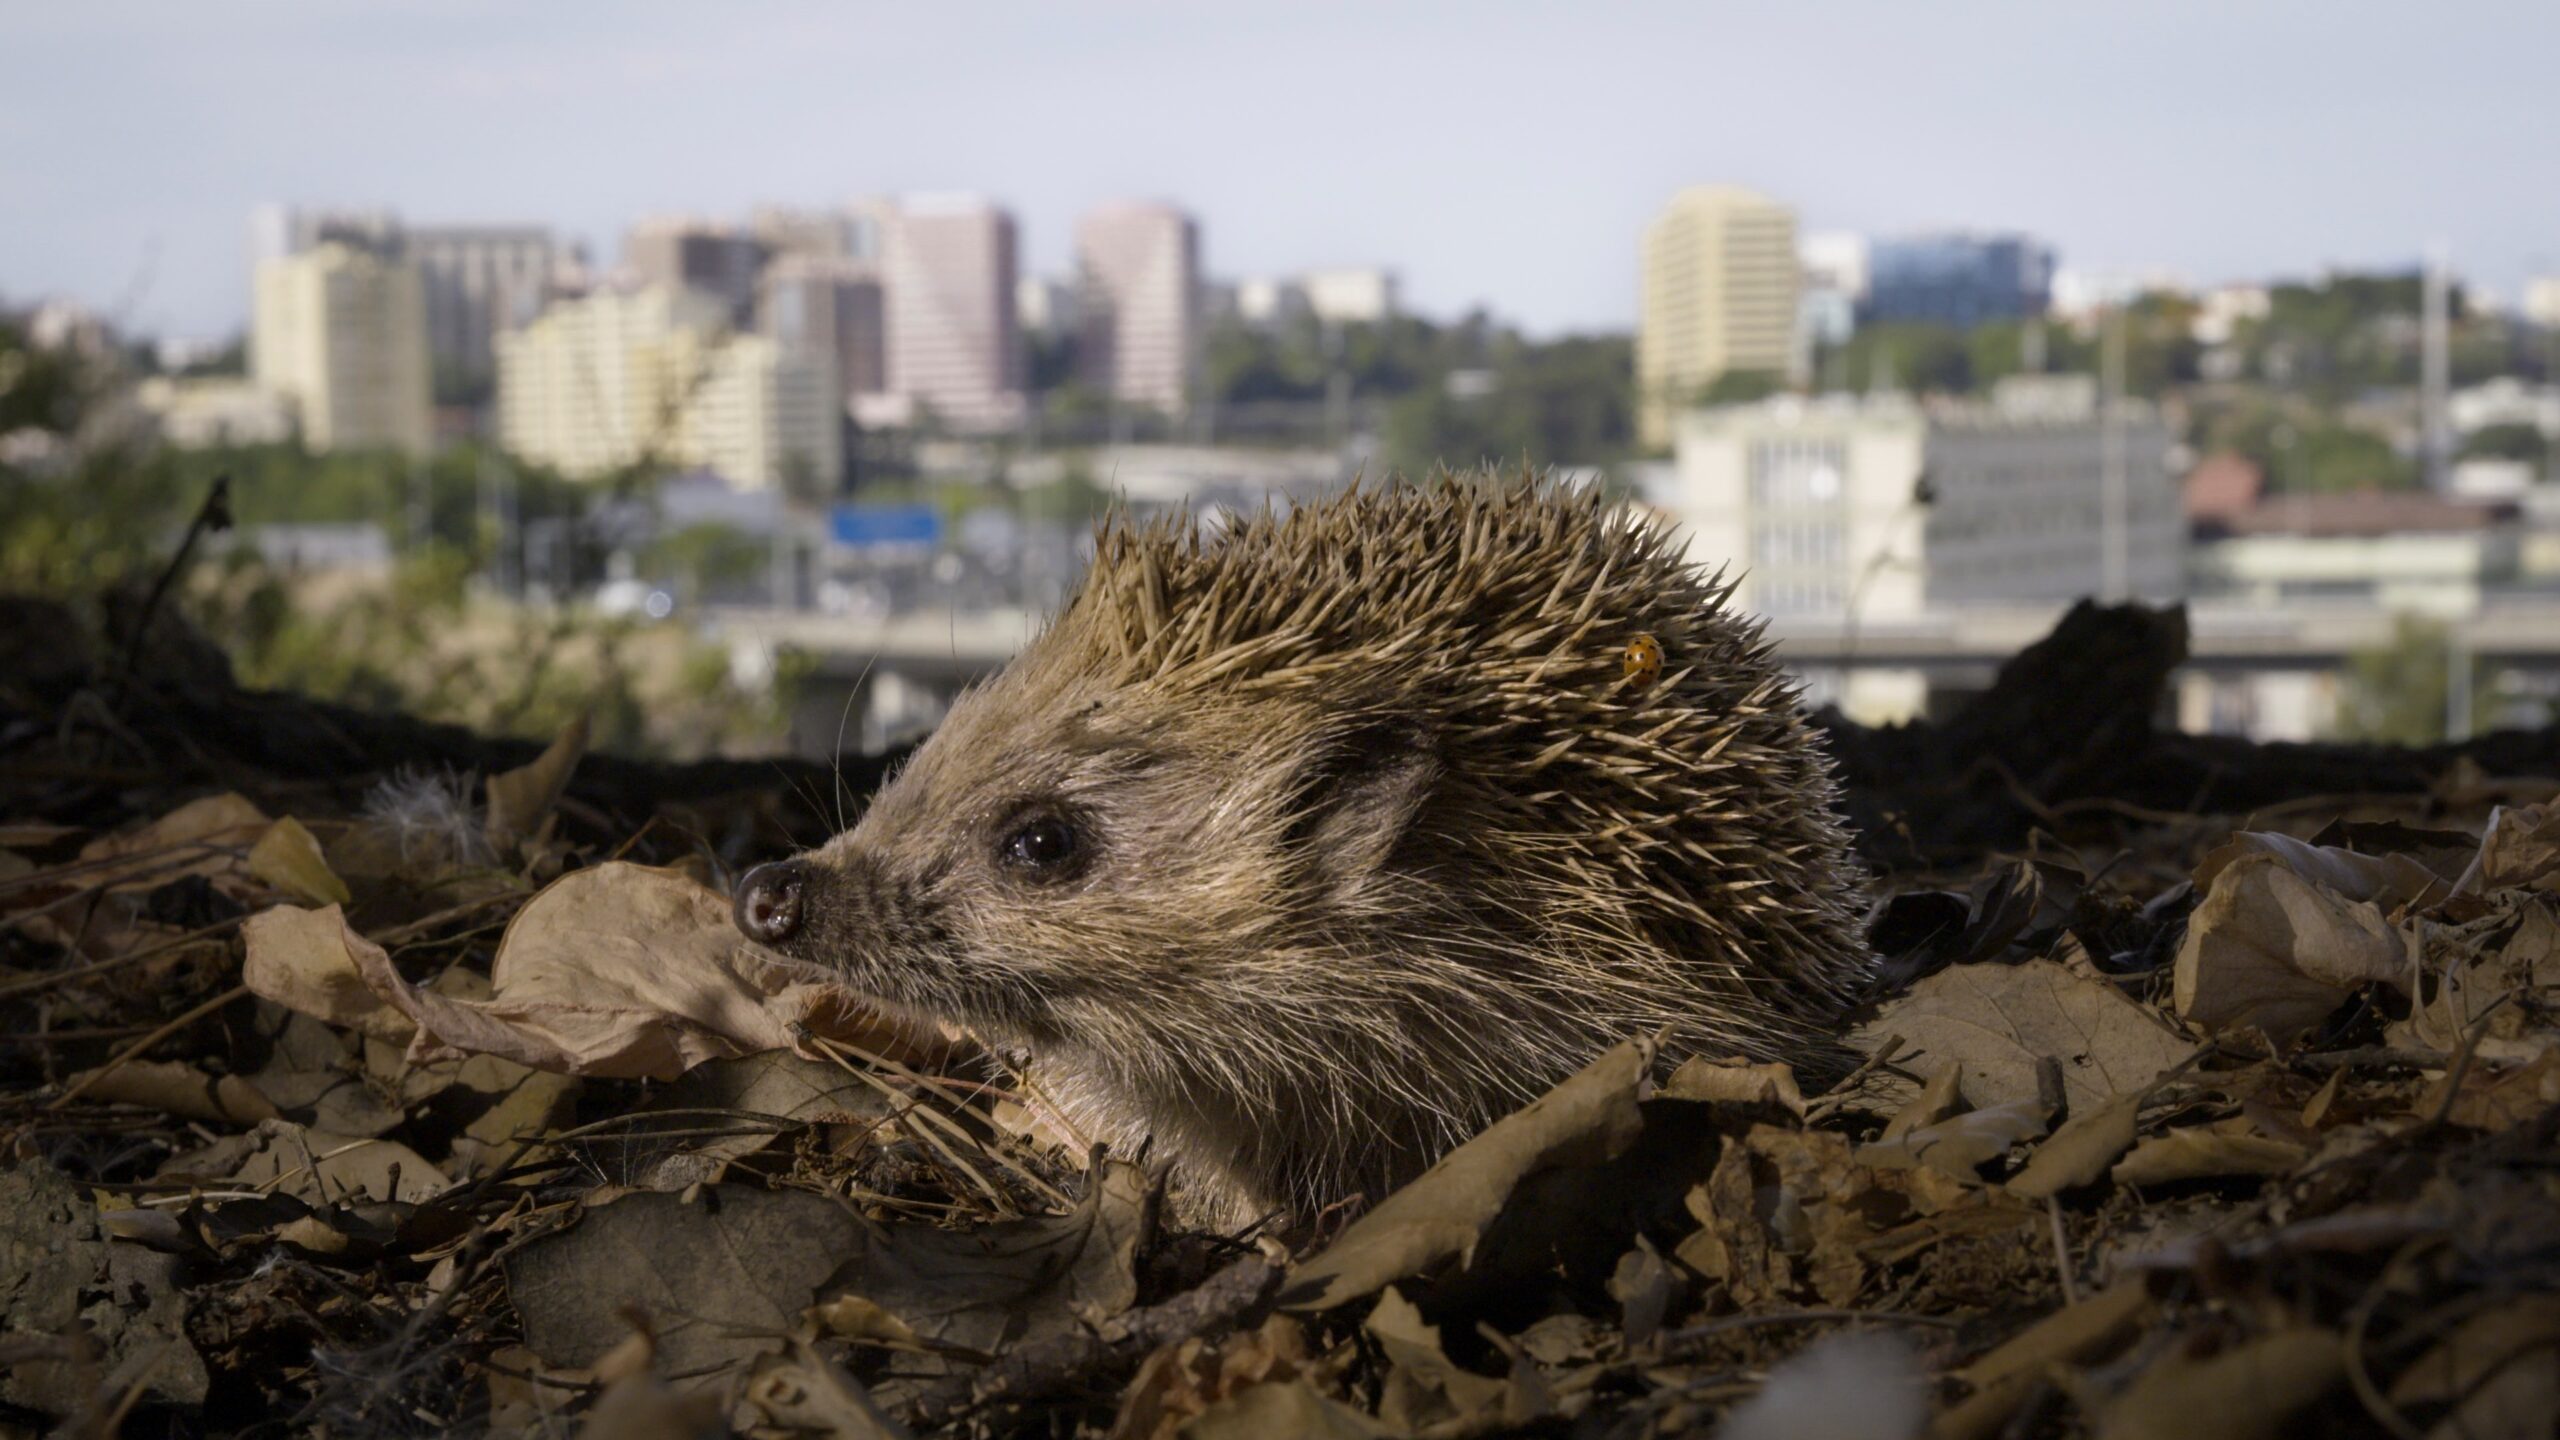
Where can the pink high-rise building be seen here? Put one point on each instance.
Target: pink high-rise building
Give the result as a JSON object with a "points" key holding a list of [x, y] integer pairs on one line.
{"points": [[949, 266], [1140, 266]]}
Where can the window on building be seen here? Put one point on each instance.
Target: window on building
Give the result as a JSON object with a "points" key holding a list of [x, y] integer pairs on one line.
{"points": [[1799, 525]]}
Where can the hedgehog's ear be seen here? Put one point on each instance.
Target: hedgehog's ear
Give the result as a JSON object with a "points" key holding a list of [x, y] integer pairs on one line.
{"points": [[1361, 802]]}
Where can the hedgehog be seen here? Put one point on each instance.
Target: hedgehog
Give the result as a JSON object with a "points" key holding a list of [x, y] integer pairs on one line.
{"points": [[1305, 847]]}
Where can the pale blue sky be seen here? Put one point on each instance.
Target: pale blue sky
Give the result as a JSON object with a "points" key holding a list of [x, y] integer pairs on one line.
{"points": [[1504, 154]]}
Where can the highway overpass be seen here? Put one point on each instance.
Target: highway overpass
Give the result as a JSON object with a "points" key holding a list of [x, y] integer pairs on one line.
{"points": [[917, 661]]}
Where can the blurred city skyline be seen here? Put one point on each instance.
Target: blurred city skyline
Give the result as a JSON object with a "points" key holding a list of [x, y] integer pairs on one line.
{"points": [[1493, 156]]}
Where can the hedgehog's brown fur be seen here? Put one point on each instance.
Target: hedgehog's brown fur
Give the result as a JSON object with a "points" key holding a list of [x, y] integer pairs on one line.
{"points": [[1378, 837]]}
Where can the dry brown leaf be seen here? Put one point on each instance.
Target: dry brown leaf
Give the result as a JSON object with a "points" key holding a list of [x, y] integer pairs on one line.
{"points": [[2520, 846], [2271, 951], [642, 1407], [1282, 1410], [1735, 1082], [2498, 1099], [1958, 1145], [725, 1273], [1786, 1211], [2500, 1370], [851, 1317], [1423, 1385], [288, 858], [1644, 1288], [1010, 1282], [805, 1393], [2000, 1021], [2081, 1150], [521, 799], [2247, 1391], [2195, 1152], [1183, 1380], [1941, 1096], [181, 1090], [719, 1280], [2069, 1336], [618, 970], [529, 1104], [202, 837], [2510, 952], [324, 1169], [305, 960], [1440, 1216], [2390, 880]]}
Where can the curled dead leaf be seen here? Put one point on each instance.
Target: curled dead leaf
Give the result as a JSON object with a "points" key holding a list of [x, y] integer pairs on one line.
{"points": [[618, 970], [1440, 1216], [2080, 1151], [1959, 1145], [2390, 880], [2197, 1152], [522, 798], [1735, 1082], [2269, 950]]}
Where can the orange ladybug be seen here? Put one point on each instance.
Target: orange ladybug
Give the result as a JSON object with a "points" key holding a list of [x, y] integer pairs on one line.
{"points": [[1643, 661]]}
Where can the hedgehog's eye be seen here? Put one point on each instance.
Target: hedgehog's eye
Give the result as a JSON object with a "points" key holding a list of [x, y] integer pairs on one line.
{"points": [[1041, 847]]}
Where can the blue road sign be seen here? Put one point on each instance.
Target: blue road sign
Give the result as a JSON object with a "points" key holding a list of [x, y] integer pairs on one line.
{"points": [[885, 525]]}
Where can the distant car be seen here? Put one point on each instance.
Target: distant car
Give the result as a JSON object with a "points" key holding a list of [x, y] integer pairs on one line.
{"points": [[634, 599]]}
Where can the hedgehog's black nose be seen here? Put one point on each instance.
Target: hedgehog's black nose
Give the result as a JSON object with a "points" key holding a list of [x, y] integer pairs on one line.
{"points": [[768, 903]]}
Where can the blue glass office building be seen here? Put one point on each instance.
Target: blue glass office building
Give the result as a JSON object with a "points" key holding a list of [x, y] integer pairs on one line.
{"points": [[1959, 280]]}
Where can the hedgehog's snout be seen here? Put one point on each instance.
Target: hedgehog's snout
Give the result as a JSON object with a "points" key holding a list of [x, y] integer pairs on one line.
{"points": [[769, 905]]}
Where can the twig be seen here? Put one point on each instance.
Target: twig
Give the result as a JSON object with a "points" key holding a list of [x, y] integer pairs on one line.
{"points": [[1006, 1151], [214, 515], [96, 968], [2462, 1062], [2062, 1250], [913, 1117], [1058, 1363], [128, 1053], [1842, 1093], [2360, 1380]]}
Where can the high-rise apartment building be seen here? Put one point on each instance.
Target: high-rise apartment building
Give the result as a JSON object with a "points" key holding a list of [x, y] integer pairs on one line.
{"points": [[481, 281], [698, 255], [1048, 308], [1718, 295], [829, 307], [1140, 267], [819, 234], [340, 334], [1958, 280], [949, 266], [279, 231], [656, 374]]}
